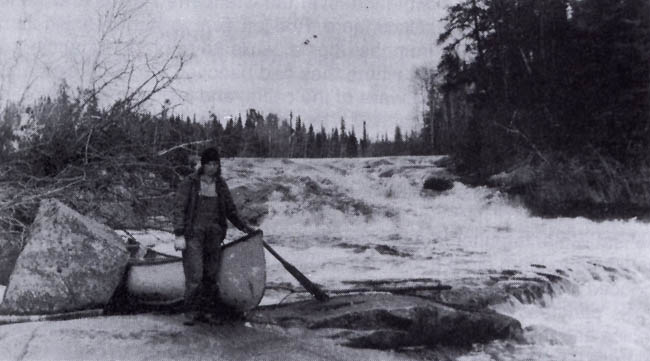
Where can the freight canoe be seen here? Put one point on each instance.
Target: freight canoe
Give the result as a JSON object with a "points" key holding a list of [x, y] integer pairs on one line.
{"points": [[158, 279]]}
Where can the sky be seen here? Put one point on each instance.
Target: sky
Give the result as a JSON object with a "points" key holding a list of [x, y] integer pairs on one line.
{"points": [[322, 60]]}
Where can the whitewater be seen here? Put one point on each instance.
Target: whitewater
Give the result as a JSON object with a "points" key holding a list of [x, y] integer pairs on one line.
{"points": [[460, 235], [331, 218]]}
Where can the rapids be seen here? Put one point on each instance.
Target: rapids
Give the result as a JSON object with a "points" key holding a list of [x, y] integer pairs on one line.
{"points": [[332, 217]]}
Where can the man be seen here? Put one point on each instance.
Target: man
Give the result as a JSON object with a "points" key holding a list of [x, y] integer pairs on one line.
{"points": [[203, 203]]}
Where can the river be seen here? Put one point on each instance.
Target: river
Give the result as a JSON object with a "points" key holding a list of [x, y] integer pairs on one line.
{"points": [[332, 218], [464, 233]]}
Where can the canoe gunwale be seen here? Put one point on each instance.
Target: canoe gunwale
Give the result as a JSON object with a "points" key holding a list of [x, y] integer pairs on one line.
{"points": [[170, 258], [242, 239]]}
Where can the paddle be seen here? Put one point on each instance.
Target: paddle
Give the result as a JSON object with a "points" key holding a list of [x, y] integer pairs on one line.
{"points": [[304, 281]]}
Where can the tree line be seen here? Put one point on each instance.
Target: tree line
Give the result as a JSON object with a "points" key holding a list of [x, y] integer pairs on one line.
{"points": [[55, 132], [540, 80], [260, 136]]}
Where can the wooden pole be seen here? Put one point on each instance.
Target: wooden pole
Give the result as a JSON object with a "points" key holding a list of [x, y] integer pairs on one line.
{"points": [[304, 281]]}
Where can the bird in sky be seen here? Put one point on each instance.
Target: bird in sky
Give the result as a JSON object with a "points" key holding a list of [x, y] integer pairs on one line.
{"points": [[307, 41]]}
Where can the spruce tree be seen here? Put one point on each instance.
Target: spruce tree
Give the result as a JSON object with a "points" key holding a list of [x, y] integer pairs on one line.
{"points": [[311, 143], [364, 141], [398, 143], [335, 145], [343, 140], [352, 144]]}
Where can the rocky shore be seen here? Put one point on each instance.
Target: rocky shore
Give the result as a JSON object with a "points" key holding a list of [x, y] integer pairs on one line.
{"points": [[53, 275], [71, 263]]}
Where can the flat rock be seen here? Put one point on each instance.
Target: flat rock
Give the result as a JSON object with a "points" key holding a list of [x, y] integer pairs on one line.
{"points": [[384, 321], [164, 337], [467, 298], [503, 287], [70, 262]]}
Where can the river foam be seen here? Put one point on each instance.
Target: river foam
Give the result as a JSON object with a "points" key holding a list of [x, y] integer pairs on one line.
{"points": [[460, 235], [464, 233]]}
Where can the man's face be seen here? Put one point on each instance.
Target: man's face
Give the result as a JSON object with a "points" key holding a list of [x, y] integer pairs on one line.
{"points": [[211, 168]]}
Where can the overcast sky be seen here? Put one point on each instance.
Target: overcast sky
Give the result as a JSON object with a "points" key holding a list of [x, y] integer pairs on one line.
{"points": [[322, 59]]}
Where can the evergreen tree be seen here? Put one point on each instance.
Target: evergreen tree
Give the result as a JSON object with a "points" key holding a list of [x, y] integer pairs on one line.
{"points": [[398, 141], [343, 140], [250, 147], [311, 143], [335, 144], [321, 143], [352, 145], [216, 130], [228, 139], [238, 137], [262, 142], [272, 133], [299, 147], [286, 138], [364, 141]]}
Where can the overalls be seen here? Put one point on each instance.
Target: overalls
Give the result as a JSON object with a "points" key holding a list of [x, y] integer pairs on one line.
{"points": [[201, 257]]}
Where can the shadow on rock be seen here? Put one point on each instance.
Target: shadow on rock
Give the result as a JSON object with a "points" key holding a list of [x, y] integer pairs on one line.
{"points": [[384, 321]]}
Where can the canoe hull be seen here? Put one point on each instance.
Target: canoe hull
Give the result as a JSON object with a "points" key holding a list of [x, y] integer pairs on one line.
{"points": [[241, 279], [242, 274]]}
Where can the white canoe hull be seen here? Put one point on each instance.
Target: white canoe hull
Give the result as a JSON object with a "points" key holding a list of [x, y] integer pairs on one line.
{"points": [[241, 279]]}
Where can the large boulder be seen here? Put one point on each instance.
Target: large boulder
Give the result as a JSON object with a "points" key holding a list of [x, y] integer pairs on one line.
{"points": [[10, 247], [70, 262], [515, 179], [438, 184], [251, 199], [384, 321]]}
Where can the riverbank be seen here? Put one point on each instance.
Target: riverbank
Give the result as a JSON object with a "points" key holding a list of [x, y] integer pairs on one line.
{"points": [[595, 187]]}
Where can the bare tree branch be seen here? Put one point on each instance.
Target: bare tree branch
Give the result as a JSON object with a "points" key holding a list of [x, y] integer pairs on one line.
{"points": [[513, 130], [165, 151], [120, 61], [161, 78]]}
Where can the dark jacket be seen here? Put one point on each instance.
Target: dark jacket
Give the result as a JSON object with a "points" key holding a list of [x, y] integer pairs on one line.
{"points": [[186, 202]]}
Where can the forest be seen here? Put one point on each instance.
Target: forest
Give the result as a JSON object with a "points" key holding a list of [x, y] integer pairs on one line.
{"points": [[556, 90]]}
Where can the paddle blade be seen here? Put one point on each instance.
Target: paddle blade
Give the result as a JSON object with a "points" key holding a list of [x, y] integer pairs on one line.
{"points": [[301, 278], [306, 283]]}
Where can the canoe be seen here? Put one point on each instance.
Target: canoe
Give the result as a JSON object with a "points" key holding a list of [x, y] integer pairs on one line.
{"points": [[158, 279]]}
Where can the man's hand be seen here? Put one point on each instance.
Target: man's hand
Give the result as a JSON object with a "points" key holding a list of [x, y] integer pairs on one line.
{"points": [[251, 230], [179, 243]]}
